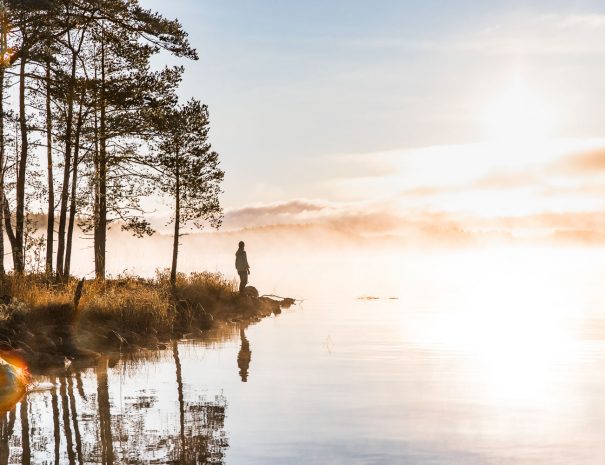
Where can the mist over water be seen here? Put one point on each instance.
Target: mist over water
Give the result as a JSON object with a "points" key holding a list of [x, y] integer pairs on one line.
{"points": [[475, 355]]}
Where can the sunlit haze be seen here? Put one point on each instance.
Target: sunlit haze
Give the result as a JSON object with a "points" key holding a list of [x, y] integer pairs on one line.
{"points": [[328, 111], [352, 232]]}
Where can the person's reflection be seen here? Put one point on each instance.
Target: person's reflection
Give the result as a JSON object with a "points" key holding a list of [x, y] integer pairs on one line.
{"points": [[244, 356]]}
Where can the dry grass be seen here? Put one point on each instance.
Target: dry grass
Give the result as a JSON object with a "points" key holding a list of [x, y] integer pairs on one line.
{"points": [[126, 305], [126, 311], [211, 291]]}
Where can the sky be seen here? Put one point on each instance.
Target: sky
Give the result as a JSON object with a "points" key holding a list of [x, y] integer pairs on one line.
{"points": [[480, 115]]}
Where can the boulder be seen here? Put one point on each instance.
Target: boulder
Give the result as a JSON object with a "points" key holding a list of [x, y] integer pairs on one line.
{"points": [[251, 291]]}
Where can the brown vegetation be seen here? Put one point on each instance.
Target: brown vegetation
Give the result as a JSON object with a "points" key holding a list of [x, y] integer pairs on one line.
{"points": [[39, 322]]}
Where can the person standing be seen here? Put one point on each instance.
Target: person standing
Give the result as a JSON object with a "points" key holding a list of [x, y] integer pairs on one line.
{"points": [[242, 267]]}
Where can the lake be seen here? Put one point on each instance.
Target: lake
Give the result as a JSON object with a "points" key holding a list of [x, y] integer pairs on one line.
{"points": [[490, 356]]}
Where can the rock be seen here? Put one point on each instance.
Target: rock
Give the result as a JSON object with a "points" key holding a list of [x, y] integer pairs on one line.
{"points": [[251, 291], [287, 303]]}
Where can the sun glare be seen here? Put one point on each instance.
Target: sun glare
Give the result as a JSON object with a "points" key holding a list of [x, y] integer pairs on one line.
{"points": [[519, 116]]}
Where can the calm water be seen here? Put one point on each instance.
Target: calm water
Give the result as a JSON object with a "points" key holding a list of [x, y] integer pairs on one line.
{"points": [[495, 357]]}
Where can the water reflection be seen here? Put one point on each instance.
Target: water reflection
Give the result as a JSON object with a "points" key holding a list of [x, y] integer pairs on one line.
{"points": [[104, 413], [7, 428], [244, 356], [26, 454], [56, 424], [85, 418], [198, 442]]}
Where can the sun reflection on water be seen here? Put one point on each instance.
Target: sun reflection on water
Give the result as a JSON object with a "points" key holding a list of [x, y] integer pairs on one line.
{"points": [[513, 324]]}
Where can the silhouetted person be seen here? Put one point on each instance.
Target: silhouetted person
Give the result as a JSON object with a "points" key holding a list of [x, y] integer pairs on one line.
{"points": [[243, 269], [244, 356]]}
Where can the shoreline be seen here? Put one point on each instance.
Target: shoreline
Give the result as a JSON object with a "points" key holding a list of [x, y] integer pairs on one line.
{"points": [[46, 325]]}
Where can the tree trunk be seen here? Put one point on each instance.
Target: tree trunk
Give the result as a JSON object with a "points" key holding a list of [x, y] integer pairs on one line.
{"points": [[74, 181], [50, 225], [101, 232], [2, 270], [19, 253], [9, 228], [2, 162], [177, 225], [66, 168], [101, 222]]}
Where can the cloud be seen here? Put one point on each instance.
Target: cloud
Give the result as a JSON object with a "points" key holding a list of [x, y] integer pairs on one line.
{"points": [[507, 180], [586, 221], [374, 221], [429, 191], [579, 21], [590, 161], [279, 208], [513, 34], [356, 218], [292, 211], [494, 181]]}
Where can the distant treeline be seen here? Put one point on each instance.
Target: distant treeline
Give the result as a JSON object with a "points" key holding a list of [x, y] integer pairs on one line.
{"points": [[78, 94]]}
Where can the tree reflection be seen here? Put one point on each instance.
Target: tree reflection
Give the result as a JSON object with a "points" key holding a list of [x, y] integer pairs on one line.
{"points": [[74, 417], [26, 454], [56, 425], [203, 441], [179, 387], [107, 457], [7, 427], [66, 422], [88, 428]]}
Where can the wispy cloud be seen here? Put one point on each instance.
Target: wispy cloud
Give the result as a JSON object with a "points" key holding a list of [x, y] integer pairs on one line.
{"points": [[530, 34], [360, 218], [589, 21], [591, 161]]}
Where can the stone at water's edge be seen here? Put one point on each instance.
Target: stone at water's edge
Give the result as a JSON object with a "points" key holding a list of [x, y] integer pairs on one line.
{"points": [[251, 291]]}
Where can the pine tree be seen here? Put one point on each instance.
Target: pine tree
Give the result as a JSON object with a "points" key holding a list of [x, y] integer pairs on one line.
{"points": [[188, 170]]}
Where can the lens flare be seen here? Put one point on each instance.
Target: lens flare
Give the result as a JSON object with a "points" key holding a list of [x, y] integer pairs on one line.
{"points": [[14, 379]]}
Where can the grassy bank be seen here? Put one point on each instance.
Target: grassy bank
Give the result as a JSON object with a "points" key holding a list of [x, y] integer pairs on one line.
{"points": [[39, 322]]}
